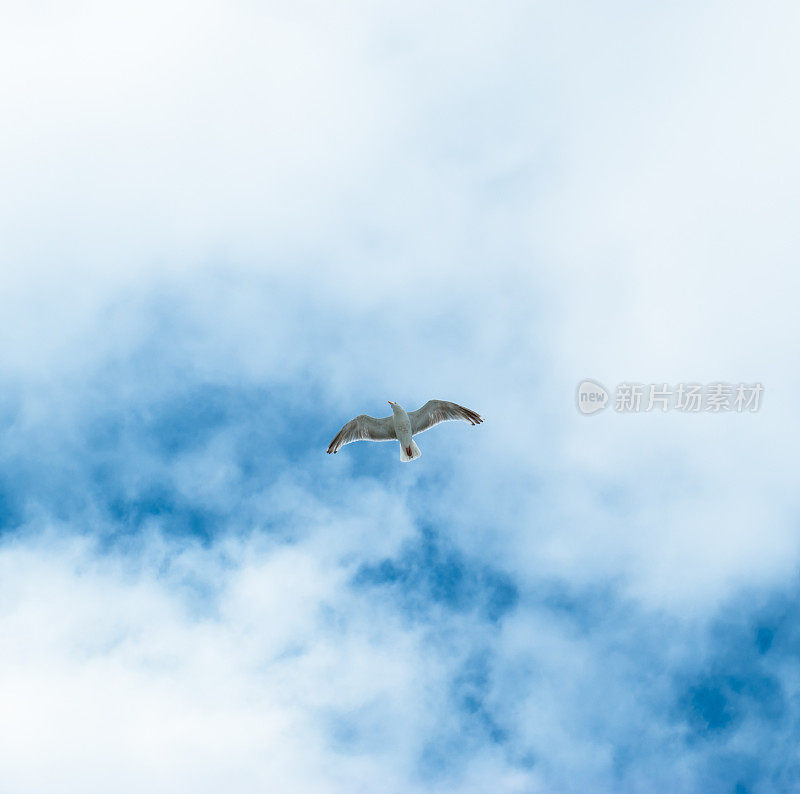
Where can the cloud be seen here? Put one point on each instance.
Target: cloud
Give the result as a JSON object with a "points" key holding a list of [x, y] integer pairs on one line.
{"points": [[229, 228], [169, 663]]}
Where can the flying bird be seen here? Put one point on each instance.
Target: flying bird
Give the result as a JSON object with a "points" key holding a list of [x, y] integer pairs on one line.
{"points": [[402, 426]]}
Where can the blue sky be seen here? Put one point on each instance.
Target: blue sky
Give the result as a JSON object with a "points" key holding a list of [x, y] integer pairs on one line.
{"points": [[230, 227]]}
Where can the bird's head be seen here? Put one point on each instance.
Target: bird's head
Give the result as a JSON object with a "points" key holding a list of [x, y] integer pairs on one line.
{"points": [[395, 406]]}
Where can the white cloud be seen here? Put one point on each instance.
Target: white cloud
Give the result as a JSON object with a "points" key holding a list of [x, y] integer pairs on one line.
{"points": [[484, 204]]}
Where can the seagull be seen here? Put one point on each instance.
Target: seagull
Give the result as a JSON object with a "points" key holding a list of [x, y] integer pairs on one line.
{"points": [[402, 426]]}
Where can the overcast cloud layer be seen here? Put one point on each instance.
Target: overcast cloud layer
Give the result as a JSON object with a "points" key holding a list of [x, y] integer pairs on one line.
{"points": [[229, 227]]}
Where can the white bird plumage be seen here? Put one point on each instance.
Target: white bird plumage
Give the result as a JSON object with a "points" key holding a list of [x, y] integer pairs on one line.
{"points": [[402, 426]]}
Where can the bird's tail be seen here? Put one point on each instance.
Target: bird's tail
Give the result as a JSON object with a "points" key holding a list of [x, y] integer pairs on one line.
{"points": [[404, 452]]}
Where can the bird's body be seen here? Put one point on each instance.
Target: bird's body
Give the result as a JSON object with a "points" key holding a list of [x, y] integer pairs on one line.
{"points": [[402, 429], [402, 426]]}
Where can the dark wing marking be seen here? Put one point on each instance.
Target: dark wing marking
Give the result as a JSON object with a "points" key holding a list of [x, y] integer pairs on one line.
{"points": [[363, 428], [435, 411]]}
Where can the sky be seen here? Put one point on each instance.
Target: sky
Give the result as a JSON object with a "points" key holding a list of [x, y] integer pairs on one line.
{"points": [[228, 228]]}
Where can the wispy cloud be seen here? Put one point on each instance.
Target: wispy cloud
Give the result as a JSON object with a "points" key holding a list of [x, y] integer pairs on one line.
{"points": [[229, 229]]}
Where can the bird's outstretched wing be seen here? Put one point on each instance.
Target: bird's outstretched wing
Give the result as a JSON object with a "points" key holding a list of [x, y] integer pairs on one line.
{"points": [[363, 428], [435, 411]]}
